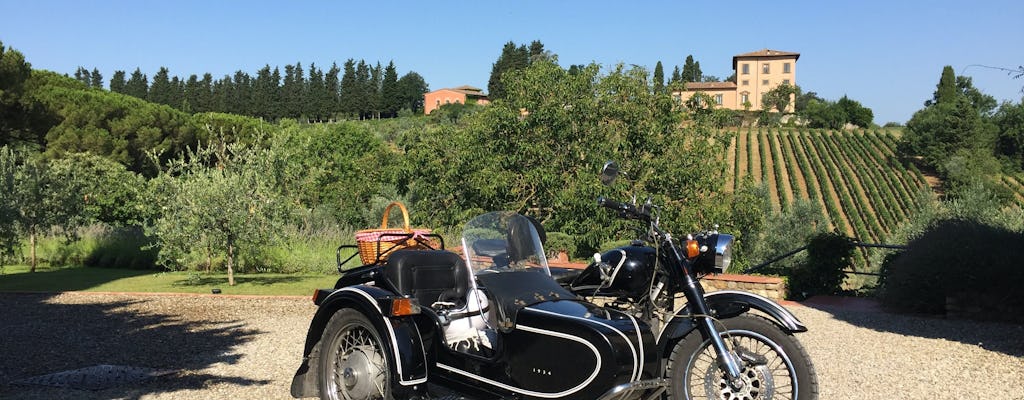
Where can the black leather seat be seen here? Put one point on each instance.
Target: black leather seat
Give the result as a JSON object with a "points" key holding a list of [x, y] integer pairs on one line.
{"points": [[429, 276]]}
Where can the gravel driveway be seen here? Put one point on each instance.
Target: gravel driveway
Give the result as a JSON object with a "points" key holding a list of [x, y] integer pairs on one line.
{"points": [[231, 347]]}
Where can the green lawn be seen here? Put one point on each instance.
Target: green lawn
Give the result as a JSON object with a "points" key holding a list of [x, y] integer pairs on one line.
{"points": [[17, 278]]}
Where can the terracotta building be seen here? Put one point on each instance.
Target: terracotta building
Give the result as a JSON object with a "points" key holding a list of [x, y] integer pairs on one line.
{"points": [[459, 95], [756, 73]]}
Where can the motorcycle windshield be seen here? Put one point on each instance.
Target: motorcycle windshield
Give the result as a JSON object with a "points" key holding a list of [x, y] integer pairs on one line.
{"points": [[503, 241]]}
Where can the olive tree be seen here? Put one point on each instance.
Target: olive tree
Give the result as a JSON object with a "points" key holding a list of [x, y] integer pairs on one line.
{"points": [[8, 210], [230, 207], [38, 196]]}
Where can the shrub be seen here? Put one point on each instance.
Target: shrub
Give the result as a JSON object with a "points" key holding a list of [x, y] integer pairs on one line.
{"points": [[828, 255], [127, 248], [962, 259], [558, 241]]}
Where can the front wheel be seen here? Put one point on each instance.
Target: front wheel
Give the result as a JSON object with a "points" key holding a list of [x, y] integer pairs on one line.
{"points": [[776, 366], [353, 364]]}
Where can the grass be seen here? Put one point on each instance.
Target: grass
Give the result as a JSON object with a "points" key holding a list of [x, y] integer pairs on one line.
{"points": [[18, 279]]}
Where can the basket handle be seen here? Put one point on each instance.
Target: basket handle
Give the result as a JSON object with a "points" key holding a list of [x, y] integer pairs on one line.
{"points": [[387, 212]]}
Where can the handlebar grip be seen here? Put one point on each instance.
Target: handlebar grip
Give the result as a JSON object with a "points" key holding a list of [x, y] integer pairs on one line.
{"points": [[612, 204], [624, 209]]}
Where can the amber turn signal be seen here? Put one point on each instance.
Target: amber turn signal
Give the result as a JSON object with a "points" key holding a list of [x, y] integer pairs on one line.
{"points": [[692, 249], [403, 306]]}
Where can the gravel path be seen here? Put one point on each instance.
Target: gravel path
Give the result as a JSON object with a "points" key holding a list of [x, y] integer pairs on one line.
{"points": [[250, 347]]}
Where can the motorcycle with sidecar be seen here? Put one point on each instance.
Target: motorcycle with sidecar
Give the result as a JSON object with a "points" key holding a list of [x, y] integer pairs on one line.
{"points": [[494, 323]]}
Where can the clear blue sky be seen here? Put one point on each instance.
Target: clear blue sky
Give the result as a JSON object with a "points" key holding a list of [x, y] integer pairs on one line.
{"points": [[886, 54]]}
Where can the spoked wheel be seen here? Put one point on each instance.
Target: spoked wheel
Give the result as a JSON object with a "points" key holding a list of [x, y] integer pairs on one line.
{"points": [[776, 366], [353, 365]]}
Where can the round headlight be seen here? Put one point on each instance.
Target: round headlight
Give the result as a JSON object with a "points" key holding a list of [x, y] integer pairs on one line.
{"points": [[723, 252]]}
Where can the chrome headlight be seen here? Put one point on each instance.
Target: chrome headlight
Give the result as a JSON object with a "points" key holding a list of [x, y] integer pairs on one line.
{"points": [[723, 252]]}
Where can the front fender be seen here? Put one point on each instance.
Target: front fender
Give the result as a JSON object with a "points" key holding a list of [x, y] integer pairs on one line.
{"points": [[727, 304], [400, 335]]}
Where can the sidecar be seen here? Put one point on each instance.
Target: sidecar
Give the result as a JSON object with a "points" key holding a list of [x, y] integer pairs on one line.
{"points": [[490, 323]]}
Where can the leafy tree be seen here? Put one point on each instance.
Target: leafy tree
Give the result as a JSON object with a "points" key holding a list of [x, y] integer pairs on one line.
{"points": [[1010, 122], [137, 85], [779, 97], [109, 193], [232, 208], [824, 114], [823, 272], [953, 133], [659, 78], [412, 87], [44, 197], [676, 76], [14, 74], [803, 99], [855, 113], [554, 130], [9, 240], [116, 126]]}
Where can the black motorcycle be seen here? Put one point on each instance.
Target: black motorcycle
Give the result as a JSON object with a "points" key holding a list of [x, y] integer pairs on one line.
{"points": [[493, 323], [713, 347]]}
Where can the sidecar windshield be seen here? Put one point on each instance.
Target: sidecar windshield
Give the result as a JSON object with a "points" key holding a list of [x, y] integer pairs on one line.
{"points": [[503, 241]]}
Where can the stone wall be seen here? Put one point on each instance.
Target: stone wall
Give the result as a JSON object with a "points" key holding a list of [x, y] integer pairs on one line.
{"points": [[768, 286]]}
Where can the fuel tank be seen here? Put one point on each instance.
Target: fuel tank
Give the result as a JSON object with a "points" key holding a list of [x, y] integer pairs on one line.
{"points": [[623, 272]]}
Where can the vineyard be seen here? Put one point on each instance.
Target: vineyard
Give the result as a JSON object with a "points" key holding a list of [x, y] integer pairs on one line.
{"points": [[855, 177]]}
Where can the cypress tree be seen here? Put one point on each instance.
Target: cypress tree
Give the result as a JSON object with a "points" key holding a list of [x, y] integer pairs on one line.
{"points": [[348, 104], [333, 90], [946, 91], [160, 90], [659, 78], [82, 75], [96, 79], [137, 85], [363, 88], [117, 83], [390, 92]]}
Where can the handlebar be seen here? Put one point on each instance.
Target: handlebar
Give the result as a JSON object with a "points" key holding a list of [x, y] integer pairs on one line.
{"points": [[626, 210]]}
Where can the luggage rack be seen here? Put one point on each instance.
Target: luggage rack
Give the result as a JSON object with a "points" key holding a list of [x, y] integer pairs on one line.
{"points": [[386, 248]]}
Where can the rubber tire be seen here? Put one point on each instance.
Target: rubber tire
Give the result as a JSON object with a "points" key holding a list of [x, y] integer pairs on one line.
{"points": [[807, 379], [344, 318]]}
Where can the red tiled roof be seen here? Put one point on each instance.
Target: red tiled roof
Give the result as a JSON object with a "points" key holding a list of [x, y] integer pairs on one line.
{"points": [[763, 53], [466, 90]]}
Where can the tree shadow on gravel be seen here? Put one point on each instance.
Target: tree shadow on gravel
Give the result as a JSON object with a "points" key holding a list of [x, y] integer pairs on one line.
{"points": [[42, 336], [993, 336]]}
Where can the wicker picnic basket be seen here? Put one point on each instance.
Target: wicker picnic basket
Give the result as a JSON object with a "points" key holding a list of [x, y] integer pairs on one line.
{"points": [[375, 245]]}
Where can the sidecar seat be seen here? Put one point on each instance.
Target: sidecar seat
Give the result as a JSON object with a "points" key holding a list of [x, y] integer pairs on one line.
{"points": [[429, 276]]}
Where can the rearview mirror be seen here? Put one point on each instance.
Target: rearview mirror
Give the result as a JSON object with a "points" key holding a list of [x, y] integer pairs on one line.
{"points": [[609, 172]]}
